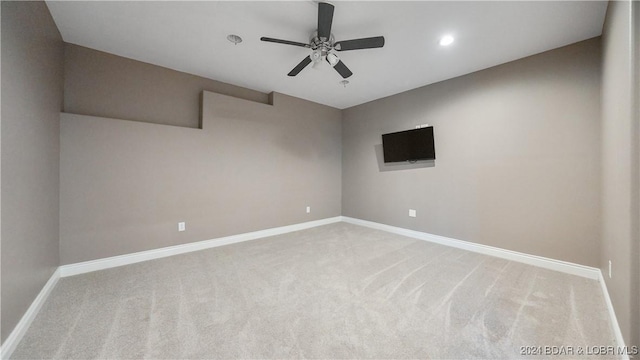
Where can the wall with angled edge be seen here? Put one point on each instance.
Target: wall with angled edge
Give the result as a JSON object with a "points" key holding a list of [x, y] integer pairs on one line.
{"points": [[125, 185], [97, 83]]}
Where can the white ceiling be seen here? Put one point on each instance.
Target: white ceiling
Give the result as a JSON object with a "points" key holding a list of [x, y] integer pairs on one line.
{"points": [[191, 37]]}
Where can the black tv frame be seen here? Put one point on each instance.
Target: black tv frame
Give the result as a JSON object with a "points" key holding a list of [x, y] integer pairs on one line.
{"points": [[399, 145]]}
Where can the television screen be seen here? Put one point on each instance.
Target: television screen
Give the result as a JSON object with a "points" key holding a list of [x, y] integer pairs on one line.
{"points": [[409, 145]]}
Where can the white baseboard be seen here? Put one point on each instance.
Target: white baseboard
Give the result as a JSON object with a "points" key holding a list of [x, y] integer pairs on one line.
{"points": [[115, 261], [612, 314], [21, 328], [552, 264]]}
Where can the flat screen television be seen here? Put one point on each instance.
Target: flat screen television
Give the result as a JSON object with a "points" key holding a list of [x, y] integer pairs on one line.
{"points": [[409, 145]]}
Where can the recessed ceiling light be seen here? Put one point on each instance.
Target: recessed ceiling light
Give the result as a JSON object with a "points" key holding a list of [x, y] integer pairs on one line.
{"points": [[446, 40], [235, 39]]}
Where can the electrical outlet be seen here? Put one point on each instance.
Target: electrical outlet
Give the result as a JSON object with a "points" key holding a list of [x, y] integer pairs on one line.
{"points": [[609, 269], [412, 213], [308, 209], [182, 226]]}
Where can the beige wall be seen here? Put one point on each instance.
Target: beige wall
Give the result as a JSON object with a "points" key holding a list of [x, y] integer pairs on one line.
{"points": [[102, 84], [125, 185], [619, 168], [32, 80], [518, 164], [635, 270]]}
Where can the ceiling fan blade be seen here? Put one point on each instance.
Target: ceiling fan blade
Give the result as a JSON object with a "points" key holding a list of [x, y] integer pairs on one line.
{"points": [[341, 68], [325, 19], [306, 61], [286, 42], [356, 44]]}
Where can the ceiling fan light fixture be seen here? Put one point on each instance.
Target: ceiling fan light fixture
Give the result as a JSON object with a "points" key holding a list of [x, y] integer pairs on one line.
{"points": [[316, 56], [446, 40], [332, 59]]}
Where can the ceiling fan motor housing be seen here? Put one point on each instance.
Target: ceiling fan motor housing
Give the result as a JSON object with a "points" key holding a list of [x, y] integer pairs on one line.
{"points": [[318, 45]]}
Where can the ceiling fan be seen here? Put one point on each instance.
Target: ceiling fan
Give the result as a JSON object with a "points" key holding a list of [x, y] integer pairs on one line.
{"points": [[322, 43]]}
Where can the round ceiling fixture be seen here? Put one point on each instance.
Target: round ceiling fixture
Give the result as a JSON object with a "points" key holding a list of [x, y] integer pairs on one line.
{"points": [[446, 40], [235, 39]]}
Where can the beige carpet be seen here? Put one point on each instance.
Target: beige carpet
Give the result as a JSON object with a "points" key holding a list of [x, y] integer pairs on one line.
{"points": [[335, 291]]}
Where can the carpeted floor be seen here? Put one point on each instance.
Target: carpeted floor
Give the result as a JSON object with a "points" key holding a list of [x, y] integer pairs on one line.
{"points": [[335, 291]]}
